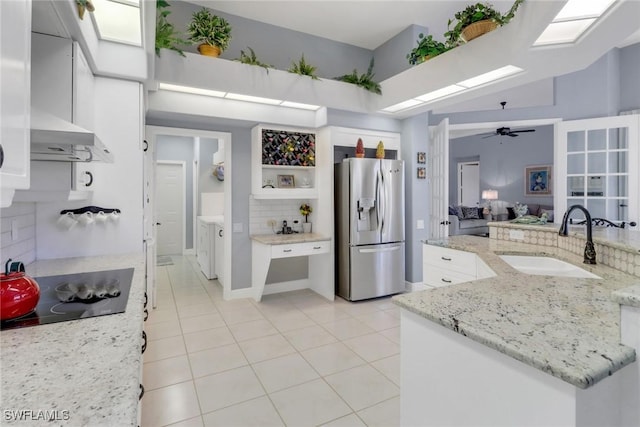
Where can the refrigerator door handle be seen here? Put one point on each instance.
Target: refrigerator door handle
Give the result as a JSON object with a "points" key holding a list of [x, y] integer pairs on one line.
{"points": [[368, 251], [381, 202]]}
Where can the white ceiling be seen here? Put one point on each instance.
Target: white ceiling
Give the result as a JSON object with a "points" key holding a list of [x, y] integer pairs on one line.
{"points": [[366, 24]]}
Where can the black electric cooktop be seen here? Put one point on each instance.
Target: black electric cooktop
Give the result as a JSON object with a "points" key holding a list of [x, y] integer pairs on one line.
{"points": [[77, 296]]}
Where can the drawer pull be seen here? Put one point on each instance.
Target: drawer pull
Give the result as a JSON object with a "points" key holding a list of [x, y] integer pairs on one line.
{"points": [[144, 343], [446, 280], [445, 258], [317, 247], [287, 250]]}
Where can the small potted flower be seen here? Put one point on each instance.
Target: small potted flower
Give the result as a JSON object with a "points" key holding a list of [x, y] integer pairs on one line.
{"points": [[426, 49], [476, 20], [305, 210], [210, 32]]}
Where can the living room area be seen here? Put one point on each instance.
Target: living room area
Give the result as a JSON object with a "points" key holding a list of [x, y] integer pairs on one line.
{"points": [[493, 172]]}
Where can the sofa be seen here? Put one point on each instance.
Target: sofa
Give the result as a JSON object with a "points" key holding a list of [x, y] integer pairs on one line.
{"points": [[467, 220]]}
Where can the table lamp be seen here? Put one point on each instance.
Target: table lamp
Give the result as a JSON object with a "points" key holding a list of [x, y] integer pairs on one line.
{"points": [[489, 195]]}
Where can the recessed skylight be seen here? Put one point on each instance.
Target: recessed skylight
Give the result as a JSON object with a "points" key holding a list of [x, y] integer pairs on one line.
{"points": [[118, 21], [440, 93], [299, 105], [402, 106], [572, 21], [490, 76], [193, 90], [255, 99]]}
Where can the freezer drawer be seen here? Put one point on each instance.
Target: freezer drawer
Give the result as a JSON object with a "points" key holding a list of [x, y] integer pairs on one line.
{"points": [[375, 271]]}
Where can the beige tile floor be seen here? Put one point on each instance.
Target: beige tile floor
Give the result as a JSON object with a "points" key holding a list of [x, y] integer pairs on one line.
{"points": [[293, 359]]}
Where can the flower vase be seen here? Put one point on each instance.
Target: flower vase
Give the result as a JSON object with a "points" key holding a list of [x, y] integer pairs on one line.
{"points": [[306, 227]]}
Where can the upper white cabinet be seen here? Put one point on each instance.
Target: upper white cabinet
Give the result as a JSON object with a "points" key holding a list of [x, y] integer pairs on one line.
{"points": [[15, 84], [283, 163]]}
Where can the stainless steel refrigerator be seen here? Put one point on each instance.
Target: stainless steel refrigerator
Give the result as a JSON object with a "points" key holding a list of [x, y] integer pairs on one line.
{"points": [[369, 203]]}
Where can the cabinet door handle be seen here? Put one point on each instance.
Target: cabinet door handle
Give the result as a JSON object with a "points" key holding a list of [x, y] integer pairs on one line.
{"points": [[317, 247], [88, 184], [220, 233], [144, 342], [287, 250], [1, 155], [445, 258], [146, 300], [146, 145], [446, 280], [141, 392], [146, 315]]}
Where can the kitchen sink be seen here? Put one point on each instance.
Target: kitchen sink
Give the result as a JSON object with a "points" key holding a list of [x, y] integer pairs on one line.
{"points": [[545, 266]]}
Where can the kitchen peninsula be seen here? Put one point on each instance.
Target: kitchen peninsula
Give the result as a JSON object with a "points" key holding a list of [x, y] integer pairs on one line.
{"points": [[519, 349], [78, 372]]}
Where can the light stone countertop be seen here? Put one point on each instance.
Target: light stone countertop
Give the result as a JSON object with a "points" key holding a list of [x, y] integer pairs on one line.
{"points": [[567, 327], [285, 239], [628, 296], [89, 367]]}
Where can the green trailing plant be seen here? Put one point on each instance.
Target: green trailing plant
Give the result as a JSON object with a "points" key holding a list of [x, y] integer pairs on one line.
{"points": [[166, 35], [252, 59], [303, 68], [474, 13], [427, 47], [364, 81], [207, 28]]}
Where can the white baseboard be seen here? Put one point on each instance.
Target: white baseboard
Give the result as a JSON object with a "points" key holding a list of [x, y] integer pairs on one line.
{"points": [[240, 293], [293, 285], [416, 286], [191, 251]]}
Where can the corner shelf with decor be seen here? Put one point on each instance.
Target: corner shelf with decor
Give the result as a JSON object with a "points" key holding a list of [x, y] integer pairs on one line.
{"points": [[283, 163]]}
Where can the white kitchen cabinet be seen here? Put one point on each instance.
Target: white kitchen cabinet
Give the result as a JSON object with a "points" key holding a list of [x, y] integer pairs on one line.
{"points": [[444, 266], [218, 269], [15, 102], [206, 247], [269, 181], [82, 104]]}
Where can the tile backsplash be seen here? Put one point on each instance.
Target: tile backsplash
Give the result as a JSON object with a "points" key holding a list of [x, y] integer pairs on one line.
{"points": [[263, 210], [21, 218]]}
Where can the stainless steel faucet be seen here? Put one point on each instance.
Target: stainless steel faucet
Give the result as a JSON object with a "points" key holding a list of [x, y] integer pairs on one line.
{"points": [[589, 249]]}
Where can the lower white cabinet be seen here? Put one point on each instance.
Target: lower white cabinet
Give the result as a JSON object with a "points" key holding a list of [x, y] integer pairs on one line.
{"points": [[443, 266], [206, 248], [218, 269]]}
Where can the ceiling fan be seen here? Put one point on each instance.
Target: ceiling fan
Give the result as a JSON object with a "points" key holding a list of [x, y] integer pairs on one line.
{"points": [[505, 131]]}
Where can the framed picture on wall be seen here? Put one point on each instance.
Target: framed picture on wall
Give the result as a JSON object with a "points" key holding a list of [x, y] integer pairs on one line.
{"points": [[422, 173], [538, 180], [422, 157]]}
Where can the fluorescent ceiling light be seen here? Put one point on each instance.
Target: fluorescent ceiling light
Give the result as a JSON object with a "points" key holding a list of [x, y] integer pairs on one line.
{"points": [[580, 9], [572, 21], [402, 106], [256, 99], [193, 90], [490, 76], [118, 21], [440, 93], [299, 105]]}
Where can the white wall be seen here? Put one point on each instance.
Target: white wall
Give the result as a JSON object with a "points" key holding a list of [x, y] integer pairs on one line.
{"points": [[22, 245]]}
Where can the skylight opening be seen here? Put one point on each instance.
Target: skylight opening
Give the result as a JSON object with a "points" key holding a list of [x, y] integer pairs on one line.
{"points": [[118, 21], [572, 21]]}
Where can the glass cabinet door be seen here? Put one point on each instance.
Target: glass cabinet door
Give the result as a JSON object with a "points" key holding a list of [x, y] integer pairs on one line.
{"points": [[597, 165]]}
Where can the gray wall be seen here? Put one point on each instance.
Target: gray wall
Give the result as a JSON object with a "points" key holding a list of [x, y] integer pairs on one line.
{"points": [[502, 163], [278, 46], [180, 148], [391, 56], [629, 68]]}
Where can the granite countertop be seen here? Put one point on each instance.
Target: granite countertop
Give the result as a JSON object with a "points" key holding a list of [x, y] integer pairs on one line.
{"points": [[284, 239], [88, 369], [567, 327]]}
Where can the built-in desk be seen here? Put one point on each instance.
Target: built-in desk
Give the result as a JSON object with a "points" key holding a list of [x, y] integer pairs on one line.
{"points": [[265, 247]]}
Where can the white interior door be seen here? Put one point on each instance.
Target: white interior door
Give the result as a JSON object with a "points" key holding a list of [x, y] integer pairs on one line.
{"points": [[170, 206], [469, 184], [596, 163], [439, 180]]}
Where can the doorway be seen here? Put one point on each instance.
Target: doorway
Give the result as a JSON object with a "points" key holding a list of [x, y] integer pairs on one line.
{"points": [[469, 183], [170, 206]]}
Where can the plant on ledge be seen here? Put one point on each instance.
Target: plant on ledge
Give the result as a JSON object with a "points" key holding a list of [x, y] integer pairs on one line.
{"points": [[84, 5], [166, 35], [206, 29], [476, 13], [364, 81], [301, 67], [427, 48], [252, 59]]}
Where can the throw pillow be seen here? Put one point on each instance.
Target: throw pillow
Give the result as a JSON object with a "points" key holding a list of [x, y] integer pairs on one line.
{"points": [[549, 213], [459, 212], [480, 214], [452, 211], [470, 213], [511, 214]]}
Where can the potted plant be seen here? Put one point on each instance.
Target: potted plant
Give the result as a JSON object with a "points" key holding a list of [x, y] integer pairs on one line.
{"points": [[475, 20], [210, 32], [303, 68], [252, 59], [365, 80], [427, 48], [83, 5], [305, 210], [166, 35]]}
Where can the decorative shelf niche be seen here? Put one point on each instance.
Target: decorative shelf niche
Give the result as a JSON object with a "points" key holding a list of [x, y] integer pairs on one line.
{"points": [[283, 163]]}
